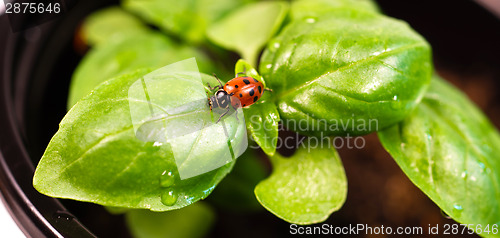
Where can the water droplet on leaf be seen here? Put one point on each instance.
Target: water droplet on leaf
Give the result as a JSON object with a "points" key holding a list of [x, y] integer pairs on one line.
{"points": [[276, 45], [167, 179], [310, 20], [457, 209], [168, 198], [157, 143]]}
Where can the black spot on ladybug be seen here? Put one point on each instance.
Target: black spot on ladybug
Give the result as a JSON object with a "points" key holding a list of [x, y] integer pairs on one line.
{"points": [[236, 86], [255, 99], [244, 104], [260, 89], [246, 81], [252, 92], [241, 95], [255, 80]]}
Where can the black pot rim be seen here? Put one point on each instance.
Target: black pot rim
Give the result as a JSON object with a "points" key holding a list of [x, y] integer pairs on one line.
{"points": [[35, 214]]}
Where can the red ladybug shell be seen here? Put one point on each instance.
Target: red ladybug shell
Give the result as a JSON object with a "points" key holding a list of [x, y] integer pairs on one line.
{"points": [[247, 89]]}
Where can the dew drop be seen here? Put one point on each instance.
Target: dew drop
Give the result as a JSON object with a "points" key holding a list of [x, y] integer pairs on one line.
{"points": [[168, 198], [457, 208], [167, 179], [310, 20], [268, 66], [276, 45], [464, 174], [157, 144], [395, 98]]}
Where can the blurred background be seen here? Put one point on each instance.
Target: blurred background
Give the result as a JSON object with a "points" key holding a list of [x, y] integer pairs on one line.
{"points": [[465, 37]]}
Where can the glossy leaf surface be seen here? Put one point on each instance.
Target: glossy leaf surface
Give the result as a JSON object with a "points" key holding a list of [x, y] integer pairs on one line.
{"points": [[110, 23], [346, 75], [450, 150], [96, 157], [305, 188], [187, 19], [249, 28], [126, 54]]}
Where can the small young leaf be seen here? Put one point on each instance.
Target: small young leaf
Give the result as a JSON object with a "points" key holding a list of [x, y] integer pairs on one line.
{"points": [[262, 117], [187, 19], [311, 9], [95, 156], [305, 188], [449, 149], [109, 23], [172, 224], [346, 75], [249, 28], [243, 68], [126, 54], [262, 120]]}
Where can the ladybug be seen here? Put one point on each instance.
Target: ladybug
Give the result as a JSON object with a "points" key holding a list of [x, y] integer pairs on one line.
{"points": [[238, 92]]}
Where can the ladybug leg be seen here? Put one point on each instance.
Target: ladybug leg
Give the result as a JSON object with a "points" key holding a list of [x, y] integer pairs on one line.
{"points": [[212, 88], [268, 89], [210, 104], [223, 114], [220, 83]]}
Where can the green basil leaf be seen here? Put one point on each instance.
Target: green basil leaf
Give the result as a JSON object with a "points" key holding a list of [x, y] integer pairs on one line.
{"points": [[262, 120], [172, 224], [262, 117], [305, 188], [126, 54], [95, 156], [310, 9], [249, 28], [346, 75], [187, 19], [449, 149], [243, 68], [108, 23]]}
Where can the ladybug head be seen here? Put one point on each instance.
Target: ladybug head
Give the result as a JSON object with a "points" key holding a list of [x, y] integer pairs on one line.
{"points": [[221, 99]]}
